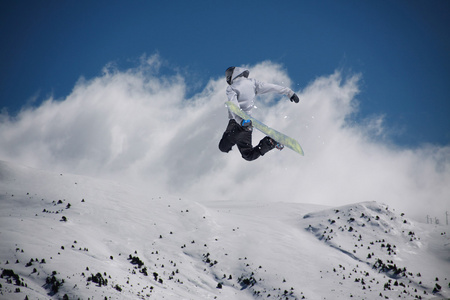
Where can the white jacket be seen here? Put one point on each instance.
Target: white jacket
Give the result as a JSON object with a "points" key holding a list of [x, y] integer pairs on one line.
{"points": [[243, 91]]}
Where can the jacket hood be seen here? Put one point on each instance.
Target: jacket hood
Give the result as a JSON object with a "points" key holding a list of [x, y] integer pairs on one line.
{"points": [[234, 72]]}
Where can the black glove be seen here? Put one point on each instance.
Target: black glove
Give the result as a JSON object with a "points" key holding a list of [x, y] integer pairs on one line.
{"points": [[294, 98]]}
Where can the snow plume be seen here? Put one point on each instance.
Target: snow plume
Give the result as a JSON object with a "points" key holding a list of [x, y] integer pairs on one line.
{"points": [[139, 125]]}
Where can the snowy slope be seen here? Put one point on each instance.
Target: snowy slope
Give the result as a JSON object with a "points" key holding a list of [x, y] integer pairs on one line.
{"points": [[66, 236]]}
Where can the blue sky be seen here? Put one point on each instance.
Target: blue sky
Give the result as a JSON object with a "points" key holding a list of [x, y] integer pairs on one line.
{"points": [[133, 91], [401, 49]]}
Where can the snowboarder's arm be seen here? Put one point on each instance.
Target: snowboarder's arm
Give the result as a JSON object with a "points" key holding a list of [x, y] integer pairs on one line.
{"points": [[232, 96], [264, 87]]}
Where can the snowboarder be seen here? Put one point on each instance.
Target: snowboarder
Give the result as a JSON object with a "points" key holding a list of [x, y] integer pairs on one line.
{"points": [[242, 91]]}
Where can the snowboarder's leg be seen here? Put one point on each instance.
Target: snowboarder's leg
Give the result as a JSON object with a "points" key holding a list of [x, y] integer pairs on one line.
{"points": [[266, 144], [244, 144], [229, 136], [242, 138]]}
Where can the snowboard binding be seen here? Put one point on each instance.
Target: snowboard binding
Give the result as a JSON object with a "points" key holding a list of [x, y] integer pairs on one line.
{"points": [[279, 146], [247, 125], [275, 144]]}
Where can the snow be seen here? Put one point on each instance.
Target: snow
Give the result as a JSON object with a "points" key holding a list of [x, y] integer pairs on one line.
{"points": [[90, 239]]}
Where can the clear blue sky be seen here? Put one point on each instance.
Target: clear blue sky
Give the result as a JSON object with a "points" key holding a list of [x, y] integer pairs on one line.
{"points": [[401, 48]]}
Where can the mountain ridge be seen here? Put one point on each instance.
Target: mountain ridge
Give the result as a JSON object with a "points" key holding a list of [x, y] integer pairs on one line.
{"points": [[66, 236]]}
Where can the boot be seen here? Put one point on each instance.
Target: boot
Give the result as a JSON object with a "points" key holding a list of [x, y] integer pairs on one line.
{"points": [[267, 144], [276, 144]]}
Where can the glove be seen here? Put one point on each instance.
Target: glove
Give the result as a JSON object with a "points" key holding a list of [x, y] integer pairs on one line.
{"points": [[294, 98], [247, 125]]}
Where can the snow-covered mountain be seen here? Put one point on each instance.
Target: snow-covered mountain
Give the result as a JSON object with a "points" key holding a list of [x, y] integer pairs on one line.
{"points": [[71, 237]]}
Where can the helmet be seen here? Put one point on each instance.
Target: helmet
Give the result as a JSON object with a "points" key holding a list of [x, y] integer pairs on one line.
{"points": [[234, 72], [229, 74]]}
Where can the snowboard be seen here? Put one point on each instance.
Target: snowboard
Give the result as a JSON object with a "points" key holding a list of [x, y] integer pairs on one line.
{"points": [[277, 136]]}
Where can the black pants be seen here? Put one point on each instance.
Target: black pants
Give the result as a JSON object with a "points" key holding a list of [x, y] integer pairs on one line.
{"points": [[237, 135]]}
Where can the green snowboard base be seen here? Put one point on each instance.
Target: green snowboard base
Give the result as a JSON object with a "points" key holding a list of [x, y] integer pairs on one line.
{"points": [[277, 136]]}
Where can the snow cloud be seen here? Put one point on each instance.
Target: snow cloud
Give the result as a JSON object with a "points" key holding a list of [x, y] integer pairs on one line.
{"points": [[139, 125]]}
